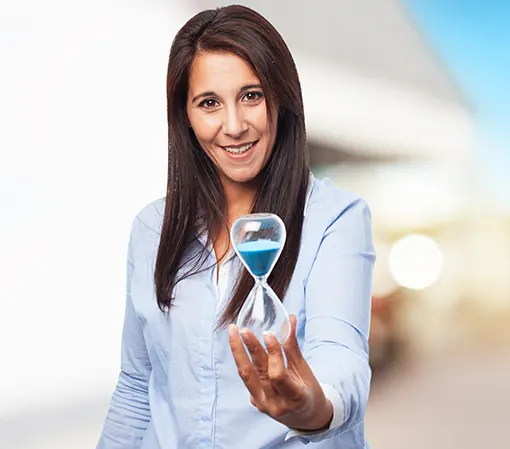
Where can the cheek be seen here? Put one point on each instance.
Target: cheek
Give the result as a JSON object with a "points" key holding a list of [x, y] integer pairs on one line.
{"points": [[205, 128], [268, 127], [260, 120]]}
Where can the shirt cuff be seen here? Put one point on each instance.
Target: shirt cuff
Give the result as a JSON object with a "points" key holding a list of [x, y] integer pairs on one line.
{"points": [[338, 415]]}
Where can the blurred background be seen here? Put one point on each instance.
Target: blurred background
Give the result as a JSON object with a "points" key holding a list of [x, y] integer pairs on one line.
{"points": [[407, 104]]}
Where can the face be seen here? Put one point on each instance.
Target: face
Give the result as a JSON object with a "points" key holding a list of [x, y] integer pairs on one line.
{"points": [[227, 110]]}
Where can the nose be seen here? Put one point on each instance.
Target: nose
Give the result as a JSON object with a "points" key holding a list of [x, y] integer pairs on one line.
{"points": [[234, 122]]}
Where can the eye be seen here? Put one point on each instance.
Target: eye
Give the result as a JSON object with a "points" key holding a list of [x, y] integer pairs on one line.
{"points": [[252, 96], [209, 103]]}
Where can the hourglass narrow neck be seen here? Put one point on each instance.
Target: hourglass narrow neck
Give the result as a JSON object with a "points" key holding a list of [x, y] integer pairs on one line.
{"points": [[260, 279]]}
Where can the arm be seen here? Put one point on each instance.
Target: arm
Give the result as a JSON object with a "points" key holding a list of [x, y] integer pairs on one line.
{"points": [[338, 296], [129, 412]]}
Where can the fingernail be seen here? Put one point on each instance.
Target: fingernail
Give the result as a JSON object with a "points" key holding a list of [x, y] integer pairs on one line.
{"points": [[244, 335], [232, 331], [267, 338]]}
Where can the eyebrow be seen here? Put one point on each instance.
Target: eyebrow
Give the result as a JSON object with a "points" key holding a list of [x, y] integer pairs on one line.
{"points": [[211, 93]]}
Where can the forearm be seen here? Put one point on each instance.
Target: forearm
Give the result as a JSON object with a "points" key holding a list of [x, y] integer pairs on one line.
{"points": [[342, 367], [128, 416]]}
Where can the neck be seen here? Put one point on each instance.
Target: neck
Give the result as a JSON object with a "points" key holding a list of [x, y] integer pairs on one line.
{"points": [[239, 198]]}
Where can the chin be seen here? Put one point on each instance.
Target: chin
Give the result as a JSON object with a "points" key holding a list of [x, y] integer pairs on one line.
{"points": [[242, 177]]}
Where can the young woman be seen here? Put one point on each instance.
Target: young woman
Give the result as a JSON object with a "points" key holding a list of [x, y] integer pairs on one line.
{"points": [[236, 133]]}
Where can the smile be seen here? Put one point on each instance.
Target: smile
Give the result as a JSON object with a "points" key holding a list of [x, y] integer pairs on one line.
{"points": [[239, 149]]}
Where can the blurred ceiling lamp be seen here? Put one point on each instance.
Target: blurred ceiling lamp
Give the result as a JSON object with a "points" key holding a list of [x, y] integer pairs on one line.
{"points": [[415, 261]]}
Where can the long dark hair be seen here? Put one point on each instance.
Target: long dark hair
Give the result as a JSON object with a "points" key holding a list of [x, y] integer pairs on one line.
{"points": [[193, 182]]}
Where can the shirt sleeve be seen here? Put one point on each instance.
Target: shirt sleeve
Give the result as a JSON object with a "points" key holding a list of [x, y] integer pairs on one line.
{"points": [[129, 413], [338, 305], [338, 417]]}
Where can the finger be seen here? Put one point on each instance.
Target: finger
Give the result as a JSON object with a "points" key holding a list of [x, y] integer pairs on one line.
{"points": [[276, 364], [259, 360], [244, 366], [291, 346], [289, 388]]}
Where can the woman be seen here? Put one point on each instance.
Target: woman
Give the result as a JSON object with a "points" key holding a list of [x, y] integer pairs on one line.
{"points": [[237, 145]]}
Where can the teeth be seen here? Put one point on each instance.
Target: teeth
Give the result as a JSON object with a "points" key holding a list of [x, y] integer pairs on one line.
{"points": [[239, 149]]}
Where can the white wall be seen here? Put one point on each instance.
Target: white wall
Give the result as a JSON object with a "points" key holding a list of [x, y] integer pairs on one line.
{"points": [[82, 148]]}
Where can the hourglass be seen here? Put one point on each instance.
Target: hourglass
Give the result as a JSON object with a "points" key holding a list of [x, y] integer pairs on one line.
{"points": [[258, 240]]}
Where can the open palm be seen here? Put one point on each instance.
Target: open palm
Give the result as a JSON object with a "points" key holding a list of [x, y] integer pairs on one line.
{"points": [[289, 394]]}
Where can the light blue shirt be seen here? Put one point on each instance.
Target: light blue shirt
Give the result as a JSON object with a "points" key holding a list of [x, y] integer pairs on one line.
{"points": [[179, 387]]}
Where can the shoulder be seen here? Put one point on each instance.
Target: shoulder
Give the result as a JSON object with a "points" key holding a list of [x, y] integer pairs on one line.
{"points": [[329, 203], [337, 220], [148, 222]]}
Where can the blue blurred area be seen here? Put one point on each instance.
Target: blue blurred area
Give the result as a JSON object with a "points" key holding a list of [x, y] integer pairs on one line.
{"points": [[473, 39]]}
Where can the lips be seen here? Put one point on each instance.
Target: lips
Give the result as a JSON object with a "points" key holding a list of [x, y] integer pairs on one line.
{"points": [[239, 149]]}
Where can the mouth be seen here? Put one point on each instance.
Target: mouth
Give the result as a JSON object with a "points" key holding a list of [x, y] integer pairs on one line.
{"points": [[240, 149]]}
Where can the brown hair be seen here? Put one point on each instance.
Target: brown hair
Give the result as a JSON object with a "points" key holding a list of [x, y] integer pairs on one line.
{"points": [[193, 183]]}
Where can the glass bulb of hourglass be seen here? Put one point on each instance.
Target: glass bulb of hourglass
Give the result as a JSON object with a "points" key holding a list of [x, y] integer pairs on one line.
{"points": [[258, 240]]}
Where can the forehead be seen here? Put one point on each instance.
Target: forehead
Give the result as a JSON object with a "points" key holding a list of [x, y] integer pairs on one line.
{"points": [[219, 71]]}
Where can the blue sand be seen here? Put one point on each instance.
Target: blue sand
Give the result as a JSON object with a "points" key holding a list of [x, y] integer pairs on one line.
{"points": [[259, 255]]}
